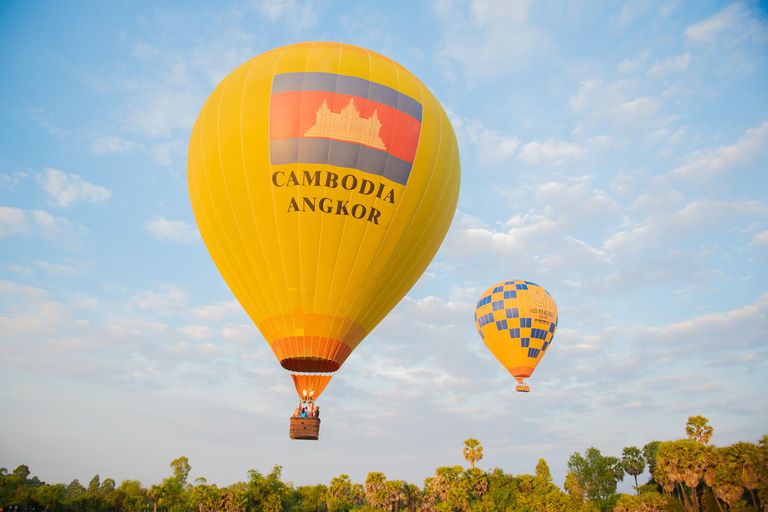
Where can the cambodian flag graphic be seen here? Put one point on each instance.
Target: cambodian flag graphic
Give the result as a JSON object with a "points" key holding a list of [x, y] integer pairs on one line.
{"points": [[344, 121]]}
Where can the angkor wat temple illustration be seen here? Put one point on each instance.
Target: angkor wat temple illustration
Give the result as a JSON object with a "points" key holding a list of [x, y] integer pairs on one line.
{"points": [[347, 126]]}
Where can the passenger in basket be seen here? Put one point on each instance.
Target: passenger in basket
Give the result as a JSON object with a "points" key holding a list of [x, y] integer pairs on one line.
{"points": [[295, 413], [317, 411], [304, 412]]}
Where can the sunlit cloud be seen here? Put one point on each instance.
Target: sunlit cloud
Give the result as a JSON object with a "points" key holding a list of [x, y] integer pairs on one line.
{"points": [[488, 37], [749, 150], [107, 144], [67, 189], [169, 299], [670, 65], [300, 14], [38, 223], [218, 312], [172, 230], [736, 22]]}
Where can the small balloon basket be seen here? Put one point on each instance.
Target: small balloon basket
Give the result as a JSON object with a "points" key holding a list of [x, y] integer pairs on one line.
{"points": [[305, 428], [522, 386]]}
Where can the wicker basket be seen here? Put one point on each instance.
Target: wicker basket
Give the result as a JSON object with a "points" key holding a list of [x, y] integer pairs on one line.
{"points": [[305, 428]]}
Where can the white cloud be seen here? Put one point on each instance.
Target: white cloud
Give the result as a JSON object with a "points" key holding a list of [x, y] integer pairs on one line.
{"points": [[174, 230], [170, 299], [491, 37], [616, 105], [300, 14], [66, 189], [749, 150], [217, 312], [56, 269], [197, 332], [489, 146], [542, 241], [760, 239], [9, 181], [556, 152], [15, 221], [241, 334], [164, 153], [629, 65], [735, 23], [161, 113], [631, 113], [24, 271], [103, 145], [670, 65], [696, 217], [22, 290]]}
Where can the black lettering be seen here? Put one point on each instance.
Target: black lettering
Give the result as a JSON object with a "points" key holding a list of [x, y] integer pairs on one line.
{"points": [[331, 177], [274, 178], [344, 182], [341, 206], [358, 208], [323, 207], [308, 202], [292, 206], [374, 216], [311, 179], [381, 189], [390, 197], [292, 179], [365, 183]]}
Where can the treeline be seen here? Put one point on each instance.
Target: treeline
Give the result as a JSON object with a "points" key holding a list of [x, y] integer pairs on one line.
{"points": [[686, 475]]}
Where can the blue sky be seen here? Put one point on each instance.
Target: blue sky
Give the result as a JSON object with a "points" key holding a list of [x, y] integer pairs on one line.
{"points": [[614, 153]]}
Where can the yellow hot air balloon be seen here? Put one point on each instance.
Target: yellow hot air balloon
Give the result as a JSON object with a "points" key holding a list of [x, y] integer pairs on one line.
{"points": [[517, 321], [323, 178]]}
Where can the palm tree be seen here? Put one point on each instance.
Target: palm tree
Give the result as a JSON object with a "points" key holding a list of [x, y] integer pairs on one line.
{"points": [[633, 463], [473, 452], [375, 483], [743, 459], [698, 428]]}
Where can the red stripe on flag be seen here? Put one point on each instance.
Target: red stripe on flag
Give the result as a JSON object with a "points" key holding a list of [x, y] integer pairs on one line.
{"points": [[293, 113]]}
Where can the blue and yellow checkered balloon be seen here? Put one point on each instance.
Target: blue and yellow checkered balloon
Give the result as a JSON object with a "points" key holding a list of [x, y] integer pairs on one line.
{"points": [[517, 321]]}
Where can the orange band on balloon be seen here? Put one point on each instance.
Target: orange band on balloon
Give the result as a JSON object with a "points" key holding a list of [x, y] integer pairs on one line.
{"points": [[310, 353], [521, 371], [304, 323], [313, 384]]}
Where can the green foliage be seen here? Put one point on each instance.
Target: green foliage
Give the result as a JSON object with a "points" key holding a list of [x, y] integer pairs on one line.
{"points": [[632, 462], [649, 454], [692, 475], [542, 470], [650, 501], [472, 451], [594, 476], [698, 429]]}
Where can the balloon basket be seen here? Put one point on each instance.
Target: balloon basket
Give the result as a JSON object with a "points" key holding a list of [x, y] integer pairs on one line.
{"points": [[305, 428], [523, 388]]}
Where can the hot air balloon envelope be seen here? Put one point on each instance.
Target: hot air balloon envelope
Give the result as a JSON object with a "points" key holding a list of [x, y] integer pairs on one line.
{"points": [[517, 321], [323, 178]]}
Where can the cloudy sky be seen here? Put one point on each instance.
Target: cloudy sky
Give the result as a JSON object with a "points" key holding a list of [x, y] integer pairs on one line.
{"points": [[611, 152]]}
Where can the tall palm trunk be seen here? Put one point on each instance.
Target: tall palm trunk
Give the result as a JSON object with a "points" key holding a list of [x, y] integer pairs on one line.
{"points": [[685, 496]]}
